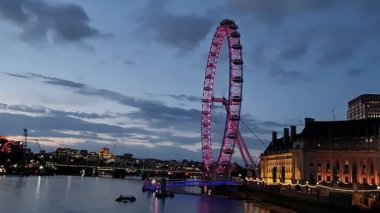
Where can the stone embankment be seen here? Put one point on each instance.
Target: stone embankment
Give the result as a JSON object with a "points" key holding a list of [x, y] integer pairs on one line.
{"points": [[304, 201]]}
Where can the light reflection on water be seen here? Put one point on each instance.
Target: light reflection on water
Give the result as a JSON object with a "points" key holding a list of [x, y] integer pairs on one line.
{"points": [[71, 194], [38, 185]]}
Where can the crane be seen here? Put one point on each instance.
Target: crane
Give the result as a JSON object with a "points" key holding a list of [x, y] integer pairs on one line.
{"points": [[42, 157], [39, 146]]}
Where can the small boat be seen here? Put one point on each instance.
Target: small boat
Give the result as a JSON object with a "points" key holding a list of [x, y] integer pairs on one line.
{"points": [[125, 199]]}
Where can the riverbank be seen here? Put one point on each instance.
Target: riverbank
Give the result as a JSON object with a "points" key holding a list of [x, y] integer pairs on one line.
{"points": [[300, 201]]}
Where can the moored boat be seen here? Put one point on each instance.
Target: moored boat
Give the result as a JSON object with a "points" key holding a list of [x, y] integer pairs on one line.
{"points": [[125, 199]]}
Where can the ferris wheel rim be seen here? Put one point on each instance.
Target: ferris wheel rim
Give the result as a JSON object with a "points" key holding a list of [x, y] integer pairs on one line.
{"points": [[227, 29]]}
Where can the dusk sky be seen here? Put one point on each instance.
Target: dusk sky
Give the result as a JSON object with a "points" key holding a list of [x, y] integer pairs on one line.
{"points": [[128, 75]]}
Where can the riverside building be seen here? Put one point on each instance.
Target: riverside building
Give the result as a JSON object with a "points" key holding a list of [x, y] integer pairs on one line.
{"points": [[342, 152]]}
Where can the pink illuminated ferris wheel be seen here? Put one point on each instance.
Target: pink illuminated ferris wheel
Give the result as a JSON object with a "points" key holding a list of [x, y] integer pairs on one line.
{"points": [[232, 104]]}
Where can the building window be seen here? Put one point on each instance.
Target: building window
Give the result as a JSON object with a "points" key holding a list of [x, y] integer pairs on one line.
{"points": [[346, 166], [363, 168], [283, 173], [319, 167], [336, 171], [354, 172], [328, 166]]}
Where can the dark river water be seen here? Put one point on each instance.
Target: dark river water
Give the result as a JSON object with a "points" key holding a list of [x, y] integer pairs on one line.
{"points": [[71, 194]]}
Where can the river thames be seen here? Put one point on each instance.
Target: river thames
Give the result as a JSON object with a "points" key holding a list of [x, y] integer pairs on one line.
{"points": [[72, 194]]}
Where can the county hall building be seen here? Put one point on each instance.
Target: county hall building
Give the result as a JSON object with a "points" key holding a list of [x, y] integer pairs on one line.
{"points": [[342, 152]]}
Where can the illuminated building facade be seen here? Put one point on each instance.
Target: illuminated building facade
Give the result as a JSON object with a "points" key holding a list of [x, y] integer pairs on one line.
{"points": [[344, 152], [364, 106], [279, 162], [106, 156], [105, 153]]}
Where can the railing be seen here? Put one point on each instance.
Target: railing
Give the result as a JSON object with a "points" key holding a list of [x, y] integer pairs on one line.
{"points": [[318, 185], [201, 183]]}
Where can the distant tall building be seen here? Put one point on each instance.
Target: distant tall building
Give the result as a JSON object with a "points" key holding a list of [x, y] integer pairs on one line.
{"points": [[364, 106]]}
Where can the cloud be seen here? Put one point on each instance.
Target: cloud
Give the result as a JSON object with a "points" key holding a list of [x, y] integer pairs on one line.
{"points": [[270, 11], [40, 20], [330, 57], [186, 97], [273, 12], [184, 32], [13, 10], [55, 123], [24, 108], [156, 126], [294, 52], [283, 76], [183, 97], [155, 113], [129, 62], [45, 111], [165, 152], [42, 125], [61, 127], [57, 81], [342, 41], [354, 72], [369, 7], [76, 130], [313, 28], [16, 75]]}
